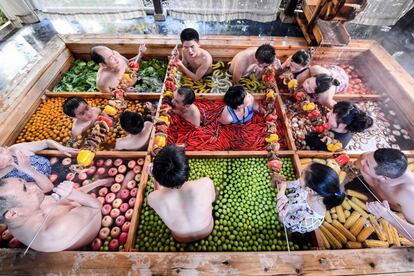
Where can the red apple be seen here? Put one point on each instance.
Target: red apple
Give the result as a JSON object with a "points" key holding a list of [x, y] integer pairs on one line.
{"points": [[119, 178], [137, 169], [99, 162], [123, 238], [96, 244], [104, 233], [106, 209], [82, 176], [108, 162], [115, 187], [131, 202], [124, 207], [134, 192], [131, 184], [91, 170], [119, 221], [115, 232], [107, 221], [137, 178], [66, 161], [6, 235], [131, 164], [4, 227], [124, 194], [93, 194], [53, 177], [86, 182], [14, 243], [70, 176], [122, 169], [129, 213], [101, 199], [117, 202], [53, 160], [112, 171], [115, 212], [103, 191], [125, 226], [118, 162], [109, 198], [101, 171], [140, 161], [113, 245]]}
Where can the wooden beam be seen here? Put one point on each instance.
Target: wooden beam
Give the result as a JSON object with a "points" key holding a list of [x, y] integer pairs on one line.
{"points": [[232, 154], [129, 96], [324, 262], [104, 153]]}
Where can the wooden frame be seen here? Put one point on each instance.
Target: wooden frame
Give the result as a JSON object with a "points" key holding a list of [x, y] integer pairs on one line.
{"points": [[64, 49]]}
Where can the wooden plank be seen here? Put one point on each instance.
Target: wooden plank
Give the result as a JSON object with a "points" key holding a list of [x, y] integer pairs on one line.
{"points": [[288, 128], [323, 262], [350, 97], [220, 96], [129, 96], [16, 119], [231, 154], [66, 66], [103, 153]]}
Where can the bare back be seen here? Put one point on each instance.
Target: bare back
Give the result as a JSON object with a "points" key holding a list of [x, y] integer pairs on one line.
{"points": [[243, 63]]}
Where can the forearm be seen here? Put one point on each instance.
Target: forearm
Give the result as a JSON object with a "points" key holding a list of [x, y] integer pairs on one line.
{"points": [[137, 58], [403, 227], [84, 199], [42, 181], [188, 73]]}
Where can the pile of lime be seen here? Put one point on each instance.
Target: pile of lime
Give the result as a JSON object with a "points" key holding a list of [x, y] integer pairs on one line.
{"points": [[245, 214]]}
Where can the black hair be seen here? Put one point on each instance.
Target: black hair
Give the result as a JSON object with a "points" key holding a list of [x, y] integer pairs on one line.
{"points": [[301, 57], [131, 122], [324, 82], [391, 163], [188, 93], [265, 54], [354, 118], [325, 181], [171, 167], [189, 34], [234, 96], [97, 58], [71, 104]]}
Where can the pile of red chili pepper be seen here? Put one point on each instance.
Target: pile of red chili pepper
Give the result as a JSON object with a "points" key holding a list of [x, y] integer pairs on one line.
{"points": [[213, 136]]}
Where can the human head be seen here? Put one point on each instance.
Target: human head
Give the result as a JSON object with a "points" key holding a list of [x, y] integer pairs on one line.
{"points": [[384, 164], [323, 180], [183, 97], [18, 200], [105, 57], [77, 107], [299, 60], [131, 122], [346, 116], [235, 96], [190, 38], [6, 158], [171, 167], [319, 84], [265, 55]]}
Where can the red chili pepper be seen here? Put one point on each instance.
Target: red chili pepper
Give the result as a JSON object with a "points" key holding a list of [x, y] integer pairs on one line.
{"points": [[314, 113], [105, 119], [299, 96], [319, 128], [342, 159], [271, 117], [133, 64], [267, 78], [170, 84]]}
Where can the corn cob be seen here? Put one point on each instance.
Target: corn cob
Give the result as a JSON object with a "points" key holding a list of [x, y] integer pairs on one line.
{"points": [[335, 232], [353, 245], [343, 230], [359, 203], [346, 205], [332, 240], [396, 238], [406, 242], [332, 210], [388, 233], [340, 213], [305, 161], [358, 225], [342, 176], [328, 217], [356, 194], [334, 216], [365, 233], [347, 213], [378, 230], [325, 240], [357, 208], [352, 219], [376, 243]]}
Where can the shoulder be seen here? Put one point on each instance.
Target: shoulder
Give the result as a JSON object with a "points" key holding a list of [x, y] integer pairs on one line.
{"points": [[152, 199], [206, 55]]}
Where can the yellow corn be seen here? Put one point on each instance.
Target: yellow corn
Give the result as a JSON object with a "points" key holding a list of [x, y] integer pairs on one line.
{"points": [[340, 213], [328, 217], [406, 242], [377, 228], [343, 230], [388, 233], [356, 194], [333, 210], [396, 238], [347, 213], [352, 219], [320, 161], [346, 205], [334, 216], [332, 240], [353, 245], [305, 161], [376, 243], [358, 225], [365, 233], [337, 234], [357, 208], [342, 176], [359, 203], [325, 241]]}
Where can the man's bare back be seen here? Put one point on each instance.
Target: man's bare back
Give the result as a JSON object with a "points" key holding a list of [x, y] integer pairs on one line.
{"points": [[191, 114]]}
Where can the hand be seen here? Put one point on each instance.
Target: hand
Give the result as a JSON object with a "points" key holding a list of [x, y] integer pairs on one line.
{"points": [[67, 151], [175, 52], [23, 162], [142, 48], [282, 188], [63, 190], [380, 210], [282, 204]]}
